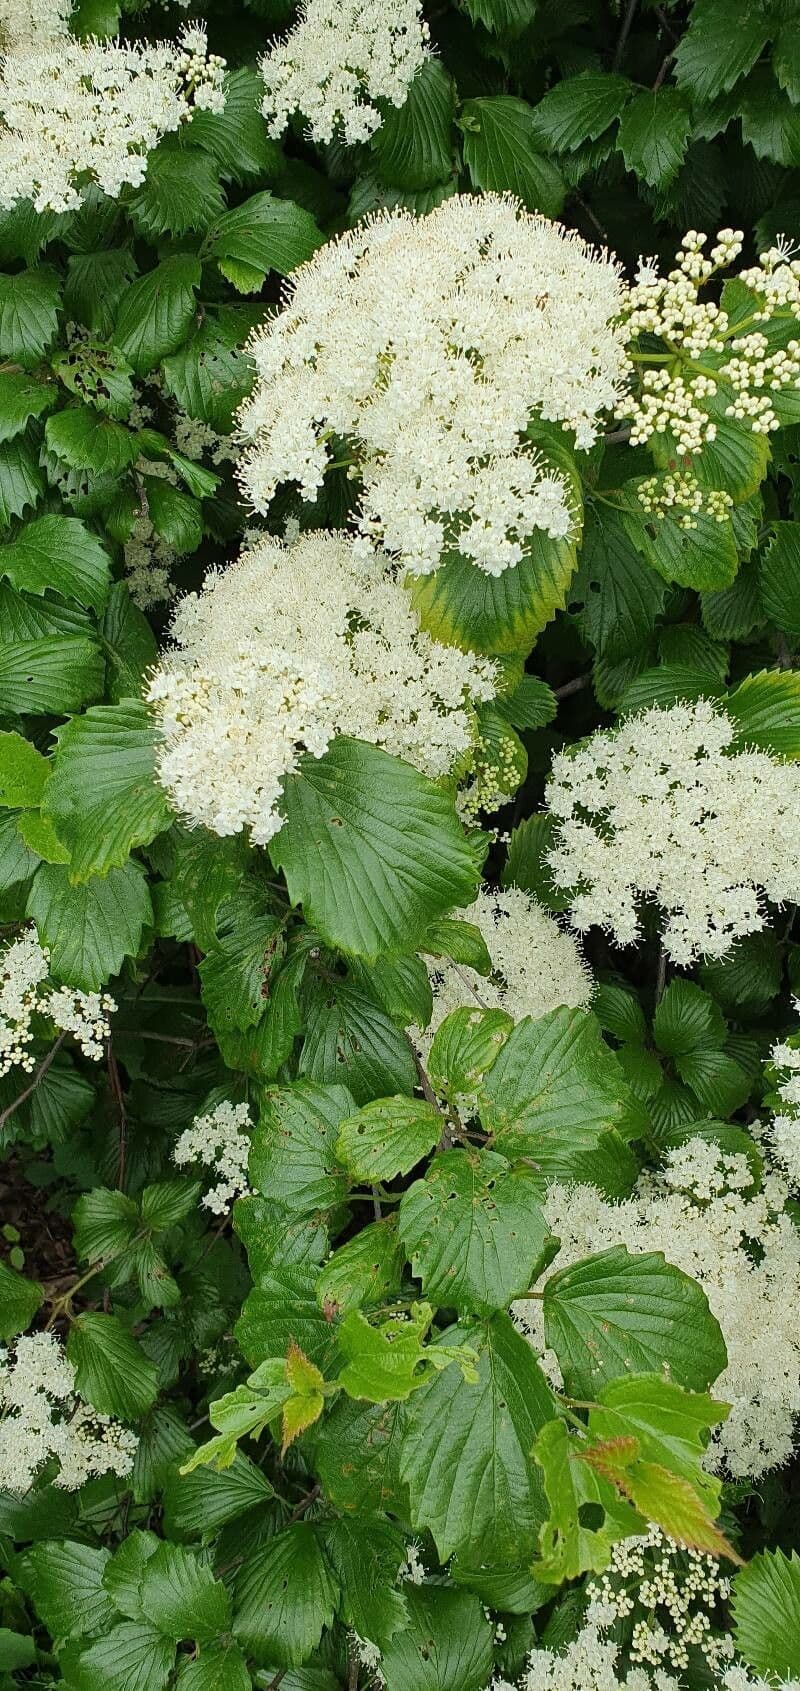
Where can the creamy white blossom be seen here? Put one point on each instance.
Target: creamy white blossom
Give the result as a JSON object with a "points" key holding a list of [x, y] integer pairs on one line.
{"points": [[662, 808], [25, 991], [536, 964], [42, 1418], [220, 1141], [428, 345], [26, 23], [341, 57], [701, 1211], [782, 1133], [74, 112], [283, 651], [671, 1600]]}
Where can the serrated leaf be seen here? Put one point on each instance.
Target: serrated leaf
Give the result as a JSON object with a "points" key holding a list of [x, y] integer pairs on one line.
{"points": [[779, 577], [94, 286], [615, 593], [284, 1595], [157, 311], [130, 1657], [710, 57], [390, 1361], [586, 1516], [293, 1154], [462, 606], [219, 1667], [526, 865], [102, 797], [237, 136], [182, 1598], [58, 553], [129, 645], [654, 134], [372, 849], [387, 1137], [49, 676], [201, 1502], [366, 1555], [212, 373], [22, 481], [686, 1020], [260, 235], [19, 1300], [349, 1039], [414, 146], [104, 1224], [23, 397], [23, 771], [466, 1447], [235, 973], [474, 1231], [615, 1314], [531, 704], [365, 1270], [557, 1096], [64, 1580], [446, 1645], [90, 928], [578, 109], [464, 1047], [503, 153], [111, 1369], [766, 1611], [176, 516], [181, 191], [765, 709], [671, 1427], [84, 440], [29, 304]]}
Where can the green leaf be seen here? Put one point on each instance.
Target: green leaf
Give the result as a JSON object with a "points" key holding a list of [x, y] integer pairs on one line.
{"points": [[84, 440], [49, 676], [91, 928], [475, 1231], [704, 557], [389, 1361], [219, 1667], [237, 136], [22, 482], [98, 375], [284, 1595], [372, 850], [111, 1369], [17, 1650], [710, 57], [58, 553], [175, 515], [532, 704], [766, 712], [235, 973], [766, 1612], [779, 577], [464, 1047], [503, 153], [102, 797], [526, 864], [129, 645], [356, 1455], [211, 374], [446, 1645], [104, 1224], [414, 146], [466, 1449], [586, 1516], [293, 1154], [95, 284], [64, 1581], [130, 1657], [349, 1039], [23, 397], [615, 1314], [786, 61], [157, 311], [122, 1576], [557, 1095], [671, 1427], [367, 1554], [400, 985], [182, 1598], [387, 1137], [616, 594], [366, 1270], [654, 134], [203, 1501], [260, 235], [19, 1301], [578, 109], [462, 606], [181, 191], [686, 1020], [23, 772], [29, 304]]}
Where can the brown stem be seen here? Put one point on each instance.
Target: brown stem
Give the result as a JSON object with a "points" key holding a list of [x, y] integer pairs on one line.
{"points": [[115, 1082], [38, 1077], [623, 35], [662, 72], [576, 685], [661, 975]]}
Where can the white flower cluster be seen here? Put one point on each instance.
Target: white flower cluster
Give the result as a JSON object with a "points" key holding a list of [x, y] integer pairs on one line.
{"points": [[75, 112], [194, 438], [25, 23], [701, 1212], [341, 57], [24, 966], [783, 1131], [592, 1661], [683, 499], [675, 393], [660, 808], [283, 651], [42, 1418], [221, 1141], [148, 565], [536, 965], [428, 345], [670, 1599]]}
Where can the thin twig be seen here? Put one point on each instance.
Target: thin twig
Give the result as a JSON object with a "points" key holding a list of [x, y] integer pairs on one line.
{"points": [[662, 72], [623, 35], [376, 1204], [665, 24], [576, 685], [587, 210], [115, 1082], [38, 1077], [661, 975]]}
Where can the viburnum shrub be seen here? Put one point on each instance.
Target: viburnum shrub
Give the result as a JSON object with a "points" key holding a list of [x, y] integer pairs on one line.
{"points": [[400, 845]]}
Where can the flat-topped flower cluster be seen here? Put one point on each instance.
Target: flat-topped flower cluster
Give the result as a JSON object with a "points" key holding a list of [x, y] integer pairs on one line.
{"points": [[25, 992], [428, 345], [289, 647], [341, 58], [42, 1418]]}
